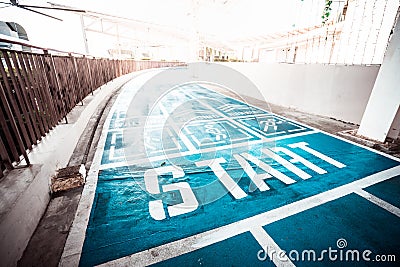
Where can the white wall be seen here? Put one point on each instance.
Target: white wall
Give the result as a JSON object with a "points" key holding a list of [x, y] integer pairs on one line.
{"points": [[336, 91]]}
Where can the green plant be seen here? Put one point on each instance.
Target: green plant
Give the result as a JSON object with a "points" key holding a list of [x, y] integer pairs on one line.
{"points": [[327, 11]]}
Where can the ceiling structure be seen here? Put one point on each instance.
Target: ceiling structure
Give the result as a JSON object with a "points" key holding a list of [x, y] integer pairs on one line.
{"points": [[226, 25], [220, 23]]}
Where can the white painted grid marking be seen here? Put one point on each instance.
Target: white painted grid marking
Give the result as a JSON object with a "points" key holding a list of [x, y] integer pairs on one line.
{"points": [[76, 237], [181, 135], [227, 231], [379, 202], [134, 161]]}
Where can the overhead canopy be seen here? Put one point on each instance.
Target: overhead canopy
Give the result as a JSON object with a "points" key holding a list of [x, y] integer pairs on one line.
{"points": [[226, 22]]}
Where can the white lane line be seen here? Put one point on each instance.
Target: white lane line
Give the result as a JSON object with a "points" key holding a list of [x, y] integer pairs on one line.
{"points": [[303, 145], [113, 138], [379, 202], [270, 247], [173, 138], [295, 130], [290, 136], [180, 133], [245, 133], [269, 134], [111, 155], [232, 125], [227, 231], [147, 145], [186, 141], [196, 140], [244, 123], [186, 129], [164, 111], [131, 161]]}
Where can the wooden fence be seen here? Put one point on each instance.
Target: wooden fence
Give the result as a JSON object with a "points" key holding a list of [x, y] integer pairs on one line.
{"points": [[38, 90]]}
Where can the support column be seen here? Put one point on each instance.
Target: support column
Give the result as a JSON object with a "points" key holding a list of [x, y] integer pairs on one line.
{"points": [[85, 41], [380, 114]]}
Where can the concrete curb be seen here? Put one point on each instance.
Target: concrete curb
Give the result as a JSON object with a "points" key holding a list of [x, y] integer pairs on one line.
{"points": [[349, 134], [73, 246]]}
